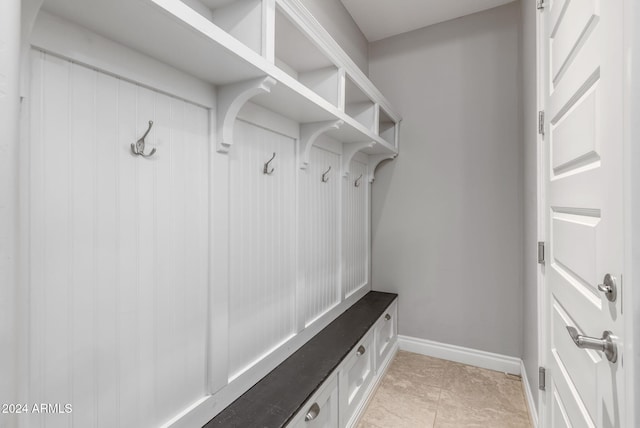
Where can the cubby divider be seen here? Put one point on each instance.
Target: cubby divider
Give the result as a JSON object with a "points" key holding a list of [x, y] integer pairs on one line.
{"points": [[359, 106], [387, 128]]}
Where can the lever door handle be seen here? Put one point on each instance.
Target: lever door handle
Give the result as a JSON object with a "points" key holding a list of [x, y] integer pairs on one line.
{"points": [[606, 344]]}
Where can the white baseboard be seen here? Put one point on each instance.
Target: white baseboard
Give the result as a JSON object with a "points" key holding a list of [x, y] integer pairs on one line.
{"points": [[528, 393], [459, 354]]}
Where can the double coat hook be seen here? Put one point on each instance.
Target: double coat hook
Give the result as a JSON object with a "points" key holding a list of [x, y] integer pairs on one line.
{"points": [[325, 176], [266, 169], [137, 148]]}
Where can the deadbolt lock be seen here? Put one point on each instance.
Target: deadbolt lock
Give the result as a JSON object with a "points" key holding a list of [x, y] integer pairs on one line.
{"points": [[609, 287]]}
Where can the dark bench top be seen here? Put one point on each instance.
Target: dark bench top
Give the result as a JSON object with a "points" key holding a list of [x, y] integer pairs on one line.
{"points": [[274, 400]]}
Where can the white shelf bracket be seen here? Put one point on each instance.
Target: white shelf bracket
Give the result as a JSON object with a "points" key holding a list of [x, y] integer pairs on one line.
{"points": [[375, 160], [309, 133], [231, 98], [349, 150]]}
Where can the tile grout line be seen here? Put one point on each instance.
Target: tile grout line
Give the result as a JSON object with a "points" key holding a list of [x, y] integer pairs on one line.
{"points": [[442, 378]]}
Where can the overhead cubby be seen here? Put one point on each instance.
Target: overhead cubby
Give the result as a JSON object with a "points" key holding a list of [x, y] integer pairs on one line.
{"points": [[359, 106], [387, 128], [242, 19], [302, 59]]}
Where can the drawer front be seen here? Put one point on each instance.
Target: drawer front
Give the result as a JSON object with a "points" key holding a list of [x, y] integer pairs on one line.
{"points": [[321, 411], [355, 376], [386, 331]]}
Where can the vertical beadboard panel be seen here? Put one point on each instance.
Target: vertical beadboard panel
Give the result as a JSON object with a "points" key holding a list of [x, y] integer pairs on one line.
{"points": [[262, 241], [193, 339], [128, 250], [82, 197], [355, 229], [320, 228], [55, 272], [119, 249], [107, 220]]}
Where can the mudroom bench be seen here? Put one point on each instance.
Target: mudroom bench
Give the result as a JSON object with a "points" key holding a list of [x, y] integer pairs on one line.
{"points": [[327, 382]]}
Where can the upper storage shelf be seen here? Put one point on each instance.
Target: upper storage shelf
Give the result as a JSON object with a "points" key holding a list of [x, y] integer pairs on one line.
{"points": [[299, 57], [225, 42]]}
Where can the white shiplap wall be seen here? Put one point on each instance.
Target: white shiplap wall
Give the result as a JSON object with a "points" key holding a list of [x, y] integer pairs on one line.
{"points": [[263, 245], [320, 220], [120, 272], [118, 249], [355, 229]]}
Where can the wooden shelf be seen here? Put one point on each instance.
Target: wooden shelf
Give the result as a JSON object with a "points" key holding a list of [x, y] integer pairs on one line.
{"points": [[309, 87]]}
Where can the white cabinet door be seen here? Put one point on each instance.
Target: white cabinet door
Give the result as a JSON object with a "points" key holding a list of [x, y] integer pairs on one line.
{"points": [[355, 376], [385, 332], [584, 211], [321, 411]]}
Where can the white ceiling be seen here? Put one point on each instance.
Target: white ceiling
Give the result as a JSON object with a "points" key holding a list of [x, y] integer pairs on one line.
{"points": [[379, 19]]}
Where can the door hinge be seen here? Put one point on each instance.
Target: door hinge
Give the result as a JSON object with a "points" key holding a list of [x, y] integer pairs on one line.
{"points": [[542, 378], [541, 122], [540, 5], [541, 252]]}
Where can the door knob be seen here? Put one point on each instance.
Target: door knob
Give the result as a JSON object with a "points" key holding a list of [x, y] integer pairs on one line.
{"points": [[606, 344], [609, 287]]}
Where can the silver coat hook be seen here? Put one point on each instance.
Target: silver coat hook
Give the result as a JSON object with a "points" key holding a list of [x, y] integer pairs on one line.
{"points": [[325, 178], [137, 148], [266, 169], [357, 183]]}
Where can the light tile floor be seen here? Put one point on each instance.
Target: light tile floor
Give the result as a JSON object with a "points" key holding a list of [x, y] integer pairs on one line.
{"points": [[425, 392]]}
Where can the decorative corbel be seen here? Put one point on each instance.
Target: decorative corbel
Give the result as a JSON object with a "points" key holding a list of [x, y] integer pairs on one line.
{"points": [[309, 133], [231, 98], [349, 150], [375, 160]]}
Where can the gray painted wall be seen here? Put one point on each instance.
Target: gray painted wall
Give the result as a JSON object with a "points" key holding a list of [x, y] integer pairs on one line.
{"points": [[530, 152], [335, 18], [447, 213]]}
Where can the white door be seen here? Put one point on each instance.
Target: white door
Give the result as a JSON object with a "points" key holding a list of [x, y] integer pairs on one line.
{"points": [[584, 210]]}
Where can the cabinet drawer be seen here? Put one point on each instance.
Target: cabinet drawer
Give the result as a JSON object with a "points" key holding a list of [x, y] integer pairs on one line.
{"points": [[321, 410], [355, 376], [385, 332]]}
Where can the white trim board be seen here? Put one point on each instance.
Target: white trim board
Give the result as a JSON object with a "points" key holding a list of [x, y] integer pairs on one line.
{"points": [[459, 354], [528, 395]]}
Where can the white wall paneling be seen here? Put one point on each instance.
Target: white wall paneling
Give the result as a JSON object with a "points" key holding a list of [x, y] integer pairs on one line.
{"points": [[355, 228], [262, 245], [119, 248], [320, 219]]}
